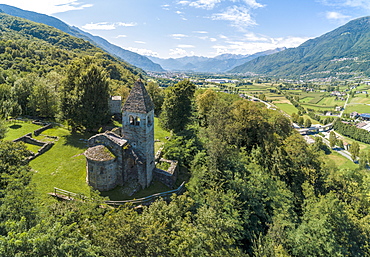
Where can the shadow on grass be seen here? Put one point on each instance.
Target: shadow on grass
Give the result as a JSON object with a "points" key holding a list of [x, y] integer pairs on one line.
{"points": [[15, 126], [78, 140]]}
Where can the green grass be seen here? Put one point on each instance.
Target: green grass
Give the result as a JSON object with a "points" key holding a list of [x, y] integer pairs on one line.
{"points": [[33, 148], [340, 161], [360, 108], [64, 165], [159, 135], [306, 99], [288, 108], [19, 128]]}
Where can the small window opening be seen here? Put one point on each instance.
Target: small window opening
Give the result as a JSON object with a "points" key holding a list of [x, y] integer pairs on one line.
{"points": [[137, 123], [132, 121]]}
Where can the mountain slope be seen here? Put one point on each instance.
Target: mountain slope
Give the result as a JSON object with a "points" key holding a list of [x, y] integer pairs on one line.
{"points": [[220, 63], [128, 56], [30, 47], [343, 52]]}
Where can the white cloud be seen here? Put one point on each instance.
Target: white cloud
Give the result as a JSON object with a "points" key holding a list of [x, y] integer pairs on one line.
{"points": [[120, 36], [347, 3], [106, 25], [186, 46], [140, 42], [210, 4], [179, 52], [143, 51], [253, 3], [252, 43], [48, 7], [125, 24], [205, 4], [200, 32], [238, 16], [336, 16], [178, 36]]}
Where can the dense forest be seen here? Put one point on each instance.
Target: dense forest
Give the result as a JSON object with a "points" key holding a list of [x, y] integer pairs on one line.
{"points": [[255, 187], [37, 62]]}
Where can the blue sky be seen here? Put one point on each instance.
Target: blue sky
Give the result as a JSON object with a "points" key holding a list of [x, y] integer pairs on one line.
{"points": [[176, 28]]}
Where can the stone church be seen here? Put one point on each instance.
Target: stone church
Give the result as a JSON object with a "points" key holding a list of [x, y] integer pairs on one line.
{"points": [[125, 155]]}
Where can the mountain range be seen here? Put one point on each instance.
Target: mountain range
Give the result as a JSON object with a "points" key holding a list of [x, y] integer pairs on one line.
{"points": [[126, 55], [343, 53], [218, 64]]}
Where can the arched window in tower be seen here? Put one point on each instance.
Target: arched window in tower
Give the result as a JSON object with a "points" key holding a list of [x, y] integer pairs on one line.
{"points": [[137, 121], [131, 120], [150, 121]]}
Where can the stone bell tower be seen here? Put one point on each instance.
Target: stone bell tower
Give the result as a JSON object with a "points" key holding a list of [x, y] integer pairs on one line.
{"points": [[138, 129]]}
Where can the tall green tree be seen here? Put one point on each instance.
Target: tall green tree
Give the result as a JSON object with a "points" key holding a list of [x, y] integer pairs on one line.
{"points": [[157, 95], [332, 139], [354, 149], [84, 95], [177, 106]]}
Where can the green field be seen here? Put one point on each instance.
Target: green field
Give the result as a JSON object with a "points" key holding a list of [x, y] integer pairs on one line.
{"points": [[360, 108], [19, 128], [340, 161], [288, 108], [64, 165]]}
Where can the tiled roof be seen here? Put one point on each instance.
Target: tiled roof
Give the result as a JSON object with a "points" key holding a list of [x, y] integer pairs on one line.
{"points": [[138, 100]]}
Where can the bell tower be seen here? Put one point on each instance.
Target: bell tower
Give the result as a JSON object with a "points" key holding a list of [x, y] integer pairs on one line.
{"points": [[138, 129]]}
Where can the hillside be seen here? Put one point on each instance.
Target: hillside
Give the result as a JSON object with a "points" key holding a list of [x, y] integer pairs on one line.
{"points": [[27, 46], [128, 56], [218, 64], [343, 52]]}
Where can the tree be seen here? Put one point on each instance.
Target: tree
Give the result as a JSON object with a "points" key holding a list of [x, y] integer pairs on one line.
{"points": [[43, 99], [3, 129], [332, 139], [205, 103], [363, 159], [300, 121], [84, 95], [177, 106], [307, 123], [156, 93], [354, 149]]}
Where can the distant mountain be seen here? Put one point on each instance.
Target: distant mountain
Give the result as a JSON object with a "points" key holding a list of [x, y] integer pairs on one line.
{"points": [[343, 52], [128, 56], [218, 64]]}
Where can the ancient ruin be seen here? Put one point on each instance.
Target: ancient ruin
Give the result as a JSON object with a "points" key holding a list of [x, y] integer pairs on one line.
{"points": [[126, 156]]}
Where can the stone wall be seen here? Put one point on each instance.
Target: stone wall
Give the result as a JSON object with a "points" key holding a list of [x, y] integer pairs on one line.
{"points": [[45, 146], [169, 176], [40, 130]]}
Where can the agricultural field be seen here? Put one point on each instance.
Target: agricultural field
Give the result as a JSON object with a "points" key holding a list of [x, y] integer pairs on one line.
{"points": [[64, 165], [287, 107]]}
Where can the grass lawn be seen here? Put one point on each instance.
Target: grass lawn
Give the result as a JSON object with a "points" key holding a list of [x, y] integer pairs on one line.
{"points": [[159, 135], [340, 161], [360, 98], [288, 108], [360, 108], [17, 129], [64, 165]]}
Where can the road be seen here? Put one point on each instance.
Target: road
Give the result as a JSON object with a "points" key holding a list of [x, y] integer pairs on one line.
{"points": [[344, 107]]}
